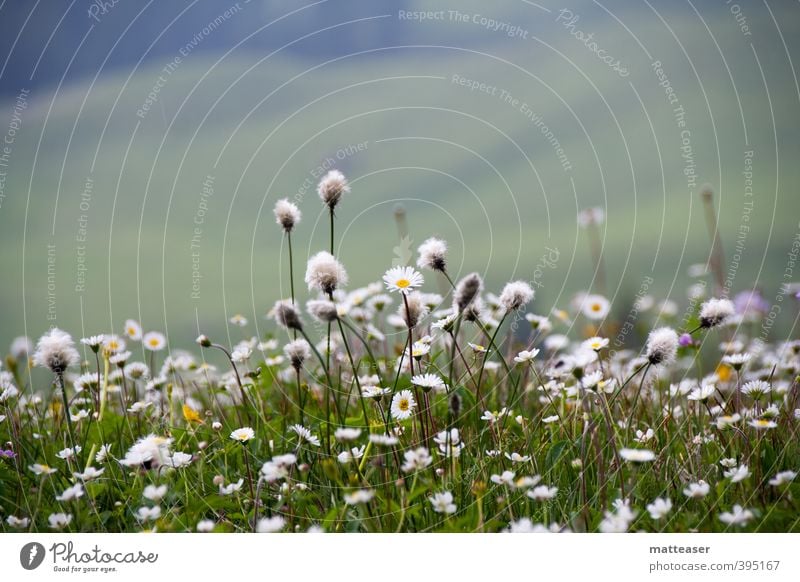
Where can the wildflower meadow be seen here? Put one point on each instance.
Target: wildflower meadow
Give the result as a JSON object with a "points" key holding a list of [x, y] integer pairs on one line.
{"points": [[384, 406]]}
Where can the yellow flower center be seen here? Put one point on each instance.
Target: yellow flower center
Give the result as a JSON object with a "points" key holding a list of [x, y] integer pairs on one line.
{"points": [[403, 283], [596, 307], [154, 342], [403, 405]]}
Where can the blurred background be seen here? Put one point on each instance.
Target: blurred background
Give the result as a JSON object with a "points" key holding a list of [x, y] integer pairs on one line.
{"points": [[145, 144]]}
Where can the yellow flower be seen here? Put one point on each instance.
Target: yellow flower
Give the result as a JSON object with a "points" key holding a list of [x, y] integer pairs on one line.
{"points": [[191, 415], [724, 372]]}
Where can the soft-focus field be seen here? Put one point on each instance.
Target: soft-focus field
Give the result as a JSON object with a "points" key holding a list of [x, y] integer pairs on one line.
{"points": [[390, 408]]}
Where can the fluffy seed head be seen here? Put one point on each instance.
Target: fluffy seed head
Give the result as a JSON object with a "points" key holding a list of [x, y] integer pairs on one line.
{"points": [[515, 295], [297, 351], [56, 351], [466, 290], [325, 273], [286, 315], [662, 345], [322, 310], [413, 309], [433, 255], [287, 214], [714, 311], [331, 188]]}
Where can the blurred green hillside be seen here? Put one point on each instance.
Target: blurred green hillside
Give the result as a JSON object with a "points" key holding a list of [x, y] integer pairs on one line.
{"points": [[468, 166]]}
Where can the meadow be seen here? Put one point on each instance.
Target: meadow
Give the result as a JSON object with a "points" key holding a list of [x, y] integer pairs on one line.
{"points": [[395, 408]]}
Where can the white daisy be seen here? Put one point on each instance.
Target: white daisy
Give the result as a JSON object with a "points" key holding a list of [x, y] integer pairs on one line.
{"points": [[154, 341], [403, 405], [403, 279], [443, 502], [243, 434]]}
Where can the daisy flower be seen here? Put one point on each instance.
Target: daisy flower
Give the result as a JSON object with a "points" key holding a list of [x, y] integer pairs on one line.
{"points": [[595, 307], [270, 524], [154, 341], [374, 392], [429, 382], [737, 516], [304, 434], [506, 478], [205, 525], [40, 469], [93, 342], [736, 361], [525, 356], [403, 405], [416, 460], [133, 330], [59, 520], [542, 493], [359, 496], [697, 490], [443, 502], [154, 493], [89, 474], [595, 343], [637, 455], [148, 513], [756, 389], [231, 488], [762, 423], [71, 493], [402, 279], [659, 508], [738, 474], [347, 434], [783, 478], [243, 434], [517, 458], [17, 522]]}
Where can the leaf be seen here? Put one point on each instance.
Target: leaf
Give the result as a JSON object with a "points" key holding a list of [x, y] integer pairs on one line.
{"points": [[555, 452]]}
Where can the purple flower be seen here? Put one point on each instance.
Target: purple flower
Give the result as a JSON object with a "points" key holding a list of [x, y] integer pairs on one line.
{"points": [[685, 340], [9, 454], [751, 304]]}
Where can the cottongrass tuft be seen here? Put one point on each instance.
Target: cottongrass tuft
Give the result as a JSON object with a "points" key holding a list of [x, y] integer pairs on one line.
{"points": [[714, 312], [287, 214], [466, 291], [286, 315], [433, 255], [662, 346], [516, 295], [331, 188], [324, 273], [56, 351]]}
